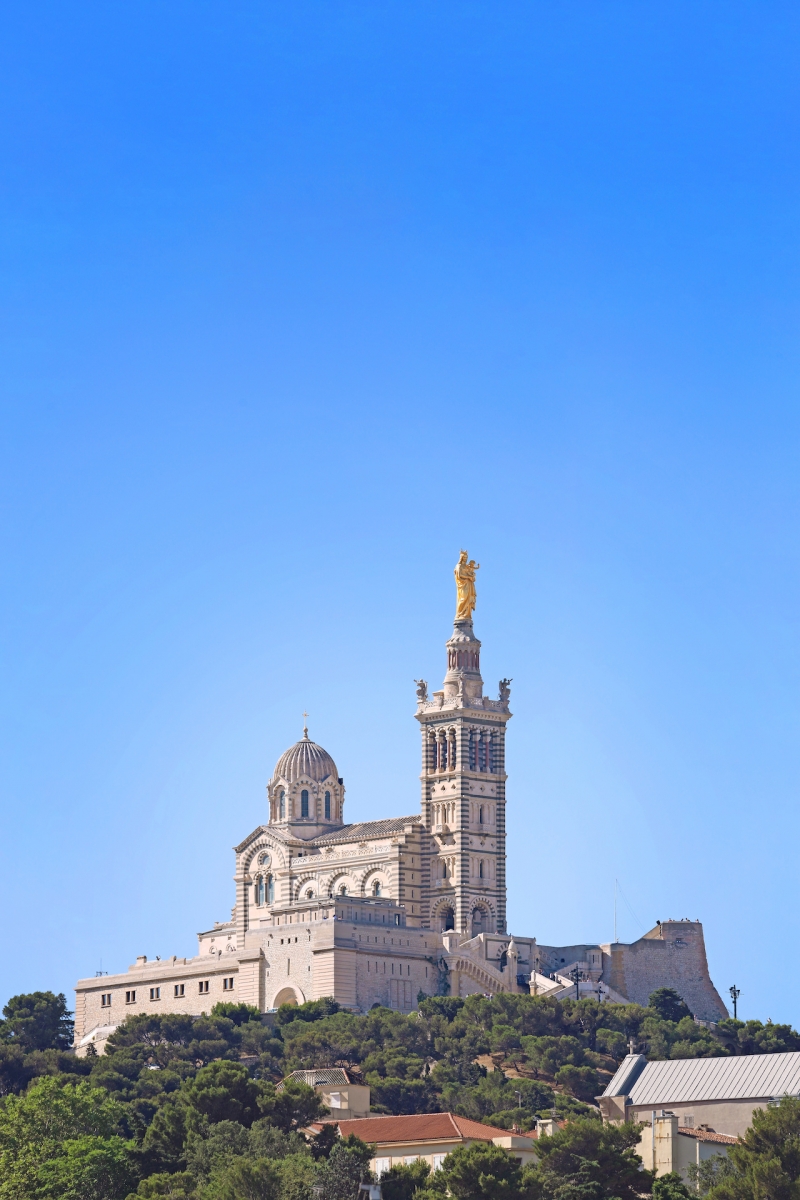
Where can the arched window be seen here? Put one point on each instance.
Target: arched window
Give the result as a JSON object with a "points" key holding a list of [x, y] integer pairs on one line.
{"points": [[270, 889], [448, 920], [434, 754], [260, 890], [480, 869], [477, 922], [310, 894], [304, 803], [282, 804], [327, 806], [444, 868], [343, 890], [376, 888], [480, 815]]}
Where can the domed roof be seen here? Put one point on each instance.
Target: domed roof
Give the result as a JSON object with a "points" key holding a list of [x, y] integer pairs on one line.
{"points": [[305, 758]]}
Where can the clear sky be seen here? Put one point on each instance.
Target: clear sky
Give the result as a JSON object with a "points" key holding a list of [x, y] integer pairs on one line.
{"points": [[300, 298]]}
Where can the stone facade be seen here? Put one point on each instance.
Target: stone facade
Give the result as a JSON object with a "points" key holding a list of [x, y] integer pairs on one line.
{"points": [[381, 911]]}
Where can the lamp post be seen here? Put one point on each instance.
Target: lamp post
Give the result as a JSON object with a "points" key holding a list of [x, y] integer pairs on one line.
{"points": [[735, 994]]}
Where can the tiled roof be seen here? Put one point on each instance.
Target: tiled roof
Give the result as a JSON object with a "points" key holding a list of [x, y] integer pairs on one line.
{"points": [[707, 1135], [425, 1127], [687, 1080], [367, 829]]}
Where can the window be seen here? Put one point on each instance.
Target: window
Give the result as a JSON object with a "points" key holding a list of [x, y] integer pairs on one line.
{"points": [[270, 889], [105, 1000], [343, 890], [202, 987], [382, 1165], [480, 815], [227, 984], [179, 989], [260, 890], [438, 1159], [130, 997], [281, 805], [376, 888], [410, 1158], [304, 803], [480, 869], [155, 993], [327, 806]]}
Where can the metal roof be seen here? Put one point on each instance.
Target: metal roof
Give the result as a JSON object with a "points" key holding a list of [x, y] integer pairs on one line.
{"points": [[333, 1076], [685, 1080]]}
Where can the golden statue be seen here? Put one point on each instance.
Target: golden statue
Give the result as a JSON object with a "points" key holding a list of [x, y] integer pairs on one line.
{"points": [[465, 586]]}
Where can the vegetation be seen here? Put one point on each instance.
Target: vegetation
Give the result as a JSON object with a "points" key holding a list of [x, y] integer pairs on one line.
{"points": [[188, 1108]]}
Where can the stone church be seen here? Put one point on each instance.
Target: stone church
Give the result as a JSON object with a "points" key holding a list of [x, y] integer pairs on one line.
{"points": [[382, 912]]}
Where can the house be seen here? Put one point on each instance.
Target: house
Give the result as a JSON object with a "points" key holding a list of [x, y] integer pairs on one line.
{"points": [[431, 1136], [713, 1095], [346, 1096], [665, 1146]]}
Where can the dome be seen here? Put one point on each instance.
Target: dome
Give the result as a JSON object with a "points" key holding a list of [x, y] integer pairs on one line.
{"points": [[305, 758]]}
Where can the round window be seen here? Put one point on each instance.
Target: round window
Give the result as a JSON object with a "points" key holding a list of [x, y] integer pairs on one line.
{"points": [[263, 859]]}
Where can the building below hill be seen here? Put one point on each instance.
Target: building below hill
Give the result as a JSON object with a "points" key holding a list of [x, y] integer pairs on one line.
{"points": [[431, 1136], [381, 912], [713, 1095]]}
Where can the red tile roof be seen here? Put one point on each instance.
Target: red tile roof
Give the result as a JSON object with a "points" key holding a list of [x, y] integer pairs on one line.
{"points": [[707, 1135], [423, 1127]]}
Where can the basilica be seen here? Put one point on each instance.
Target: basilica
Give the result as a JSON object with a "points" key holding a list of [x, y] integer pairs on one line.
{"points": [[389, 911]]}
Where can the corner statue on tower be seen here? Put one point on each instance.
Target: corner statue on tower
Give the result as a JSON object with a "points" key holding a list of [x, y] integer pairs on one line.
{"points": [[465, 586]]}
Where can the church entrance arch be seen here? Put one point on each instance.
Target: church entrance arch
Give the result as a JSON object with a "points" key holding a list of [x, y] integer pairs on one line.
{"points": [[288, 995]]}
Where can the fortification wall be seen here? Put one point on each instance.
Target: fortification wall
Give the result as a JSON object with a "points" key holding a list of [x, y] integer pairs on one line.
{"points": [[673, 954]]}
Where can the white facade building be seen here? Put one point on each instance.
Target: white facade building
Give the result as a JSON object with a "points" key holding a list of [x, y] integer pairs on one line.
{"points": [[381, 911]]}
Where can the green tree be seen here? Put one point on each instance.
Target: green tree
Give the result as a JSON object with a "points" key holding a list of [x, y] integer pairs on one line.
{"points": [[671, 1187], [223, 1091], [88, 1168], [312, 1010], [705, 1175], [63, 1140], [589, 1158], [480, 1171], [582, 1082], [765, 1164], [292, 1107], [175, 1186], [238, 1013], [346, 1168], [245, 1179], [37, 1021], [210, 1148], [402, 1181], [669, 1005]]}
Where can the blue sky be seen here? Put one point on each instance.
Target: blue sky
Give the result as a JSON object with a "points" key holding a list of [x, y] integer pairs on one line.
{"points": [[297, 300]]}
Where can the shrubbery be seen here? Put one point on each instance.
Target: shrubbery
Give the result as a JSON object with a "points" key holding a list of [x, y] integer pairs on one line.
{"points": [[188, 1108]]}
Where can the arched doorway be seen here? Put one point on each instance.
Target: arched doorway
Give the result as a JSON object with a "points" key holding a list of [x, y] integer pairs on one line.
{"points": [[479, 922], [288, 995], [447, 919]]}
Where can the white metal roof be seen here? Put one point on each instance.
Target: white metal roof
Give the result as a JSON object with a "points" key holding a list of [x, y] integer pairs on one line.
{"points": [[682, 1080]]}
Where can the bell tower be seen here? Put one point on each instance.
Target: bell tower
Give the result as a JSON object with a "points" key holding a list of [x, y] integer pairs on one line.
{"points": [[464, 782]]}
